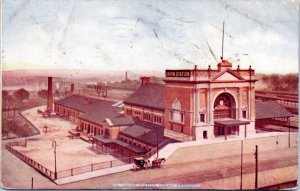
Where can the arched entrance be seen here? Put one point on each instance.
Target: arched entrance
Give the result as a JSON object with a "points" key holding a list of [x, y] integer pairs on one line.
{"points": [[224, 109]]}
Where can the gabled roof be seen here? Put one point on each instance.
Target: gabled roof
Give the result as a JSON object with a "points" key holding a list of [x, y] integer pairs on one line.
{"points": [[94, 110], [149, 95], [145, 132], [228, 70], [122, 121], [270, 109]]}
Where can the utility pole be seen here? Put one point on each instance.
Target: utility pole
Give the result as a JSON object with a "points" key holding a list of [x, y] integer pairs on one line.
{"points": [[241, 186], [31, 182], [256, 164], [55, 169], [289, 132], [157, 142]]}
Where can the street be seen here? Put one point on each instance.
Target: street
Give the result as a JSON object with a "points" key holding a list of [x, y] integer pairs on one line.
{"points": [[17, 174]]}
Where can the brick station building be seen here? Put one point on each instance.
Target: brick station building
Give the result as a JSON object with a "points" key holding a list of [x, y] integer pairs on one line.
{"points": [[192, 104], [103, 123], [201, 104]]}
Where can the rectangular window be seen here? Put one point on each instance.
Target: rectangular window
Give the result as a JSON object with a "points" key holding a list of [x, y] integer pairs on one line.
{"points": [[157, 119], [204, 134], [244, 114], [128, 112], [137, 112], [147, 116], [177, 116], [202, 117]]}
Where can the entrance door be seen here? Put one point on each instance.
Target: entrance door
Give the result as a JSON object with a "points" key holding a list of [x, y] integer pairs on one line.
{"points": [[224, 106], [204, 134]]}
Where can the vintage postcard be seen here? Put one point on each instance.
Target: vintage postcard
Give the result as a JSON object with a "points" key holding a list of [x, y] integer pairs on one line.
{"points": [[149, 94]]}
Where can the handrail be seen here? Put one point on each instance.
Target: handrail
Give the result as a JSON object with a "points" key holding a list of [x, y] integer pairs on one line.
{"points": [[154, 150]]}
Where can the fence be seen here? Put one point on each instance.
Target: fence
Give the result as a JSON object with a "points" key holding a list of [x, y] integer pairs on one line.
{"points": [[78, 170], [93, 167], [40, 168]]}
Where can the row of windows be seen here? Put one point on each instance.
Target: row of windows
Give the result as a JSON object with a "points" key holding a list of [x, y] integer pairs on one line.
{"points": [[137, 112], [90, 129], [66, 111], [146, 116], [157, 119], [134, 143]]}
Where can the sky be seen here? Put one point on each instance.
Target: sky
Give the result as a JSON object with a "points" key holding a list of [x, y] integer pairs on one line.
{"points": [[152, 35]]}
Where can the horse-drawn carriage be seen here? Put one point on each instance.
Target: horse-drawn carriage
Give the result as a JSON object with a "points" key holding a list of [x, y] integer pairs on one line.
{"points": [[141, 163]]}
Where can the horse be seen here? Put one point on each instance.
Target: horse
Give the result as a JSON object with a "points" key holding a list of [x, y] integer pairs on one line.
{"points": [[157, 162]]}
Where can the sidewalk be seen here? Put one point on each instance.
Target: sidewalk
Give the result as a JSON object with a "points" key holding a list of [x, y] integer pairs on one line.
{"points": [[93, 174]]}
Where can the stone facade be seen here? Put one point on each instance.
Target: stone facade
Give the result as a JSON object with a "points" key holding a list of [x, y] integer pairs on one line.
{"points": [[195, 99]]}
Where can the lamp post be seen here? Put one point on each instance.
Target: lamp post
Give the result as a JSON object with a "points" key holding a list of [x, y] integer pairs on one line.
{"points": [[55, 170]]}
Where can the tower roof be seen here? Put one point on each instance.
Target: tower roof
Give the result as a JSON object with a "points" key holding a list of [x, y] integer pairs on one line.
{"points": [[224, 63]]}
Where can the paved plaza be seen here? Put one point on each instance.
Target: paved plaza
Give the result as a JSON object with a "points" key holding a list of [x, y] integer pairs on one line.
{"points": [[71, 153]]}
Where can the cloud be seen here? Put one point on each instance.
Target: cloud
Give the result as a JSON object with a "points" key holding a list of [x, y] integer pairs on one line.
{"points": [[104, 35]]}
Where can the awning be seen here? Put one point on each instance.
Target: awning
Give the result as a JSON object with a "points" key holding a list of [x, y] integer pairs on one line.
{"points": [[131, 147], [103, 139], [231, 122]]}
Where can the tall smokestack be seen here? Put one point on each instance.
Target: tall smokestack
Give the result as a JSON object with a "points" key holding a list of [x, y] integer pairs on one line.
{"points": [[72, 88], [126, 77], [50, 96]]}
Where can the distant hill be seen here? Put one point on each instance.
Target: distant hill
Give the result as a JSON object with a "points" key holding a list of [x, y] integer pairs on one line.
{"points": [[21, 77]]}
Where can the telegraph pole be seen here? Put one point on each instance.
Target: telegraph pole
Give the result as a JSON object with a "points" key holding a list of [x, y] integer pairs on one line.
{"points": [[289, 133], [241, 186], [256, 165]]}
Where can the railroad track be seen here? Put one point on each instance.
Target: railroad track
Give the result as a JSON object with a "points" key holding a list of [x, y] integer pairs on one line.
{"points": [[228, 171]]}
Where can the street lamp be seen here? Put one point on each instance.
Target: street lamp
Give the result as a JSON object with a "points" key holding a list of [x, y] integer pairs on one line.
{"points": [[55, 170]]}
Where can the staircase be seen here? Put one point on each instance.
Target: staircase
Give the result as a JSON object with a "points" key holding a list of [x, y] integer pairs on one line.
{"points": [[176, 136]]}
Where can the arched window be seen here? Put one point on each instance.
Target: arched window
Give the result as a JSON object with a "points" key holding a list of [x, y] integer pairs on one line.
{"points": [[176, 114]]}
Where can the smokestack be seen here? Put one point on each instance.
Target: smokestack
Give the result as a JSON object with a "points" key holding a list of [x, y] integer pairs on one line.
{"points": [[126, 77], [72, 88], [145, 80], [50, 96]]}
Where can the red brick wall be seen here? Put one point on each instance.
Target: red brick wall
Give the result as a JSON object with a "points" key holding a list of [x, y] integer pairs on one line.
{"points": [[184, 95]]}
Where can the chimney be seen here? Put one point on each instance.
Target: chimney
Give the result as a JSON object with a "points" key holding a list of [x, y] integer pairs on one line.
{"points": [[86, 101], [50, 96], [72, 88], [126, 77], [145, 80]]}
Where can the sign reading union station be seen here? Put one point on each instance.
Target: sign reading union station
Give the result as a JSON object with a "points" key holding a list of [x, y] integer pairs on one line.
{"points": [[178, 73]]}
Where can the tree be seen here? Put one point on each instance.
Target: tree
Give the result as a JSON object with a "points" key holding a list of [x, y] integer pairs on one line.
{"points": [[56, 93], [43, 93], [5, 95], [21, 94]]}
